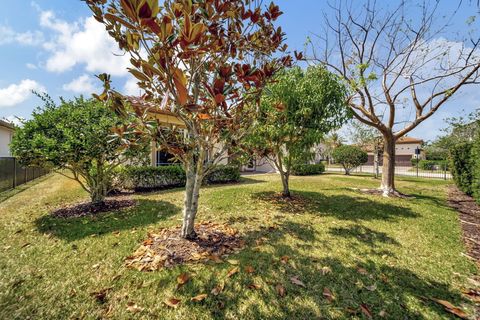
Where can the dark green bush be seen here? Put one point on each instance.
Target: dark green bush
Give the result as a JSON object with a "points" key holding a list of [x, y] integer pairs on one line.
{"points": [[308, 169], [461, 164], [223, 174], [475, 153], [433, 164], [150, 178], [349, 157]]}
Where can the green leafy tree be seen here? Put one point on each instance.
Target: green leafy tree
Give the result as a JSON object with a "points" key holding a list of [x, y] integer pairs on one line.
{"points": [[202, 62], [296, 111], [349, 157], [76, 136]]}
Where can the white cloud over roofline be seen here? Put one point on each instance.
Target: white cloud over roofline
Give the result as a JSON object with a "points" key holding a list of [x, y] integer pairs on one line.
{"points": [[18, 93]]}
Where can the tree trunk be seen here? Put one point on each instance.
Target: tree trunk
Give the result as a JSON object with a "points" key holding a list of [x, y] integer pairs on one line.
{"points": [[192, 194], [285, 182], [388, 169], [98, 191]]}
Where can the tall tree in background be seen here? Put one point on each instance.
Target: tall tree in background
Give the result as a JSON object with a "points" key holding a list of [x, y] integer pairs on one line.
{"points": [[329, 143], [400, 69], [203, 63], [296, 111]]}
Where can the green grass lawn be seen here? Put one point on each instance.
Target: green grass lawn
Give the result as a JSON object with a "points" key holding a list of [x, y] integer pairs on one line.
{"points": [[391, 255]]}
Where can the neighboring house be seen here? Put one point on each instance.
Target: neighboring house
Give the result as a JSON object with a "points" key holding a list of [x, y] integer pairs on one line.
{"points": [[404, 151], [6, 133]]}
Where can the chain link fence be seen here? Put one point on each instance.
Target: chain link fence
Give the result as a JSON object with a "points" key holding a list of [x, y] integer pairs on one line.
{"points": [[12, 174]]}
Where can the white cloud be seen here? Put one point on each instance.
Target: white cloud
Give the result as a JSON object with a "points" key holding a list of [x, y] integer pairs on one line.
{"points": [[84, 42], [131, 88], [31, 66], [29, 38], [18, 93], [82, 84]]}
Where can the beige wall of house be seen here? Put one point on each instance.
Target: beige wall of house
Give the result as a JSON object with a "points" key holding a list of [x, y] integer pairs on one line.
{"points": [[6, 135]]}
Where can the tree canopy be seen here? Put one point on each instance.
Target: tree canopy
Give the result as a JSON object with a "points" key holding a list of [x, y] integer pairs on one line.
{"points": [[296, 111], [76, 135], [349, 157]]}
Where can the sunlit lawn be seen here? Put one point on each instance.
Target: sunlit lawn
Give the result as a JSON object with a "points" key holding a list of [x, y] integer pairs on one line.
{"points": [[392, 256]]}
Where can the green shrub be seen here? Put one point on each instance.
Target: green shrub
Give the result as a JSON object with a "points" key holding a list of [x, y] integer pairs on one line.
{"points": [[145, 178], [308, 169], [223, 174], [349, 157], [433, 164], [475, 153], [461, 164]]}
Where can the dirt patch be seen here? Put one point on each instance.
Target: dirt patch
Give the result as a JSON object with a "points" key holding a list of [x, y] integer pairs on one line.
{"points": [[469, 212], [88, 208], [293, 204], [167, 249]]}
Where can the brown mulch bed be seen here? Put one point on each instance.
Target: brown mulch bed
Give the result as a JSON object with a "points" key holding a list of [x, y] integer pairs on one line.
{"points": [[167, 249], [469, 212], [88, 208]]}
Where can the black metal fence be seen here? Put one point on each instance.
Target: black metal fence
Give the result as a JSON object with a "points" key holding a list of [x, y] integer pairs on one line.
{"points": [[401, 169], [12, 174]]}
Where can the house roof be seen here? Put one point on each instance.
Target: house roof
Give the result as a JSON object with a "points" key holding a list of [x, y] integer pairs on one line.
{"points": [[408, 140], [7, 125]]}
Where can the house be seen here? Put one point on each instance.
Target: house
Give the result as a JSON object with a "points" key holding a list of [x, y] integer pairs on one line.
{"points": [[6, 133], [405, 151]]}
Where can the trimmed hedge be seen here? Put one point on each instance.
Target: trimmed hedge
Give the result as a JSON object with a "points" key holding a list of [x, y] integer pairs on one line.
{"points": [[223, 174], [150, 178], [462, 164], [308, 169]]}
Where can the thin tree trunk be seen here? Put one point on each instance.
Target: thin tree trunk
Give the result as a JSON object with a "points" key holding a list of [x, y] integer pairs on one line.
{"points": [[388, 168], [285, 182], [98, 190], [194, 175]]}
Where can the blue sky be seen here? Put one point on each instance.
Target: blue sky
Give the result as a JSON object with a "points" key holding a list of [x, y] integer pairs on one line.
{"points": [[55, 46]]}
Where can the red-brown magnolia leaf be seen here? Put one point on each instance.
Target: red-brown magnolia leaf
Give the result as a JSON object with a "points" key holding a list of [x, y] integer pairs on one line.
{"points": [[172, 302], [362, 271], [148, 242], [199, 297], [204, 116], [180, 81], [297, 281], [232, 272], [280, 290], [284, 259], [219, 98], [451, 308], [328, 295], [366, 310], [182, 279], [249, 269], [472, 294]]}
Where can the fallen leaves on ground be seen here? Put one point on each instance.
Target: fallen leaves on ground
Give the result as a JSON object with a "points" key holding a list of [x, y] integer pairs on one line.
{"points": [[254, 286], [366, 310], [168, 249], [280, 290], [199, 297], [232, 272], [218, 288], [327, 293], [297, 281], [172, 302], [133, 307], [101, 295], [249, 269], [284, 259], [472, 294], [362, 271], [182, 279], [451, 308], [325, 270]]}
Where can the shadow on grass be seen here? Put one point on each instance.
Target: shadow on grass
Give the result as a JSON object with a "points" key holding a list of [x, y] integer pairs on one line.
{"points": [[399, 292], [343, 206], [146, 212]]}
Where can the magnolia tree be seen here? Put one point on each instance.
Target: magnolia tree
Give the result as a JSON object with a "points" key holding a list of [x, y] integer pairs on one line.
{"points": [[400, 70], [76, 137], [296, 111], [203, 63]]}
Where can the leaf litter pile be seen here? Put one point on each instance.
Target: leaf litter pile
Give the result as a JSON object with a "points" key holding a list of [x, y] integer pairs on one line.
{"points": [[167, 248]]}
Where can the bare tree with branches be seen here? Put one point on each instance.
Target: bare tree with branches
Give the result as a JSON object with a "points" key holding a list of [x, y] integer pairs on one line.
{"points": [[399, 64]]}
